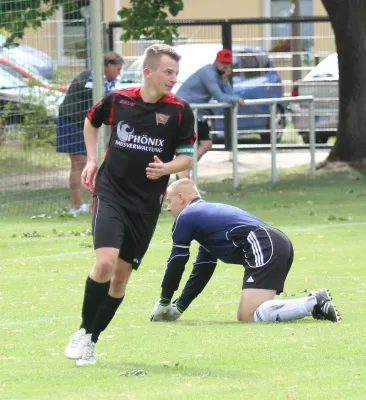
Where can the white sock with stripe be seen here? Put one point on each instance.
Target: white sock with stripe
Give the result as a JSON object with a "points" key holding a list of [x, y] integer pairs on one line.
{"points": [[284, 310]]}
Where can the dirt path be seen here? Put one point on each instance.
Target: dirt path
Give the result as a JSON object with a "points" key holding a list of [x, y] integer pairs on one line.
{"points": [[219, 162]]}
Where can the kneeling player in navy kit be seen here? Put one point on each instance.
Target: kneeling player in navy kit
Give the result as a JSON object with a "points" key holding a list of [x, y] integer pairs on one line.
{"points": [[152, 137], [233, 236]]}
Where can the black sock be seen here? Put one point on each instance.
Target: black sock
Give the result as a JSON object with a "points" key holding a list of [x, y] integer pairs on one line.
{"points": [[94, 295], [104, 316]]}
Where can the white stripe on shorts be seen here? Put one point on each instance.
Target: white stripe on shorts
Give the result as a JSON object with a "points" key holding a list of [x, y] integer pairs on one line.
{"points": [[257, 251]]}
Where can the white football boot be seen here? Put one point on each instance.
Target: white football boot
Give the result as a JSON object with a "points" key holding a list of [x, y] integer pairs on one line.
{"points": [[89, 356], [74, 350]]}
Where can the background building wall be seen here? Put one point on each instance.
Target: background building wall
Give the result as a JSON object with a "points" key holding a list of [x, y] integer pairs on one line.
{"points": [[203, 9]]}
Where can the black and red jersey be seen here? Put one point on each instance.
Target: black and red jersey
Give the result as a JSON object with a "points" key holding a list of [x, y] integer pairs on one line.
{"points": [[140, 130]]}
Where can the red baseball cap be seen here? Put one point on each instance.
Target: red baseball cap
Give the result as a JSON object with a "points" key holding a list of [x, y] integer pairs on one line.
{"points": [[225, 56]]}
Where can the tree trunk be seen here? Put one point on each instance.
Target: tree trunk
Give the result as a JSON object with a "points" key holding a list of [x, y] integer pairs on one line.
{"points": [[348, 19]]}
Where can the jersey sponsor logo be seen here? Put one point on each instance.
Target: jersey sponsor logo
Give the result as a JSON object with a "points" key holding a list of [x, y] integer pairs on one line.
{"points": [[162, 119], [127, 102], [127, 139], [123, 131]]}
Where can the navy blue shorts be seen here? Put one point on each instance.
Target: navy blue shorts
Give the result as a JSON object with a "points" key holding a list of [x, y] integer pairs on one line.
{"points": [[269, 255], [70, 137]]}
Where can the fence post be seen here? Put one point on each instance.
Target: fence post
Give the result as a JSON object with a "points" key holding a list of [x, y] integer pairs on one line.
{"points": [[194, 166], [234, 144], [227, 43], [312, 136], [273, 141], [59, 35], [97, 66]]}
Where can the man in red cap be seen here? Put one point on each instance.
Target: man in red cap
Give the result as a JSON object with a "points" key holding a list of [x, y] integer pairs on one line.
{"points": [[209, 82]]}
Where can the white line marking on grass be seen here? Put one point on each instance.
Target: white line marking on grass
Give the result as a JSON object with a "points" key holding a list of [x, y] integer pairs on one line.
{"points": [[50, 320], [67, 254], [75, 253], [314, 227]]}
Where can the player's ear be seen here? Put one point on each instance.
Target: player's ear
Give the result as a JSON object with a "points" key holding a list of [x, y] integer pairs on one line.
{"points": [[147, 72]]}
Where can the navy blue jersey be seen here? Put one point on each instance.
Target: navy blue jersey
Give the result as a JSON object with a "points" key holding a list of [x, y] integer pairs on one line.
{"points": [[223, 232], [220, 229]]}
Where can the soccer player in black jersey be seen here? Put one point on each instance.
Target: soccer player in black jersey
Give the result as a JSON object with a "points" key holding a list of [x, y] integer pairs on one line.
{"points": [[233, 236], [152, 137]]}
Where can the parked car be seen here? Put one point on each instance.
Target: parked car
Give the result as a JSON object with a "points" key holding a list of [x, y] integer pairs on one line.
{"points": [[29, 74], [28, 56], [250, 81], [322, 83], [14, 92]]}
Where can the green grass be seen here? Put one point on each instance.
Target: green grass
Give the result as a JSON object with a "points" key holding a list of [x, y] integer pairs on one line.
{"points": [[206, 354], [15, 160]]}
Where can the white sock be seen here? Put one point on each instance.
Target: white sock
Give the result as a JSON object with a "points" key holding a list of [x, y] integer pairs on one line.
{"points": [[284, 310]]}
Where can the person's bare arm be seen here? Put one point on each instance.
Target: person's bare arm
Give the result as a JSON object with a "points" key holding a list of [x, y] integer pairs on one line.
{"points": [[91, 144]]}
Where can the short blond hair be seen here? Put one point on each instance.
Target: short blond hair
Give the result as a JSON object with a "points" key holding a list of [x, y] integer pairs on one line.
{"points": [[154, 53], [185, 186]]}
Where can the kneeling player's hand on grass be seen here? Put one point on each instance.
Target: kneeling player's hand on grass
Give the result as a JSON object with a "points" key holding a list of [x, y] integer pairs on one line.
{"points": [[159, 312]]}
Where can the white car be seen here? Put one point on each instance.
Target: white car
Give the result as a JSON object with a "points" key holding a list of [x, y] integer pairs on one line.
{"points": [[17, 91], [322, 83]]}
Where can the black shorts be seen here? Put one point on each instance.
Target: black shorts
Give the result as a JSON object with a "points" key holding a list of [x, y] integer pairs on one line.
{"points": [[128, 231], [203, 131], [269, 256]]}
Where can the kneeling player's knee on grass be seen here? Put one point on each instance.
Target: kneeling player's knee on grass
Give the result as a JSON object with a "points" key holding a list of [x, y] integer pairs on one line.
{"points": [[245, 316]]}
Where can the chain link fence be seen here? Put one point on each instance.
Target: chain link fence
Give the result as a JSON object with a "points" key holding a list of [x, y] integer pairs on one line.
{"points": [[34, 75]]}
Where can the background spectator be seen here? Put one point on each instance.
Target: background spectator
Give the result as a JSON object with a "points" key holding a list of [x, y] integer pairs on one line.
{"points": [[70, 123], [209, 82]]}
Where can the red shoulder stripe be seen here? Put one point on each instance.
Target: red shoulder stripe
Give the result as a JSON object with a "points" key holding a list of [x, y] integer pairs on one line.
{"points": [[132, 92], [92, 110], [171, 99], [111, 113]]}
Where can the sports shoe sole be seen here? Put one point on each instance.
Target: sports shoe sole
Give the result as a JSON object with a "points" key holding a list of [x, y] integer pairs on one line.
{"points": [[330, 303]]}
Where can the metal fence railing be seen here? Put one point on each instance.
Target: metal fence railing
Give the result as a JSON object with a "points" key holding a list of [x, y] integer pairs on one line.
{"points": [[273, 134]]}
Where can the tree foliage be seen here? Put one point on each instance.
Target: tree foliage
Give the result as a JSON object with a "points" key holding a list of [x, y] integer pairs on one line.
{"points": [[149, 19], [16, 16]]}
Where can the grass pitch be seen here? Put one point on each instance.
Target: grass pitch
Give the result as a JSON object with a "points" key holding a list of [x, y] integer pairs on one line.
{"points": [[206, 354]]}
